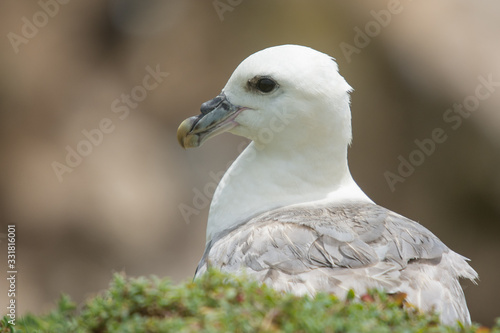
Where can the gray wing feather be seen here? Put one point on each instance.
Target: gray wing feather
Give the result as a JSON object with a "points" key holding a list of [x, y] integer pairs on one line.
{"points": [[337, 248]]}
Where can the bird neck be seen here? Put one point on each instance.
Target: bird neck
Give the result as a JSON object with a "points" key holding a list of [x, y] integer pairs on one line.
{"points": [[293, 168]]}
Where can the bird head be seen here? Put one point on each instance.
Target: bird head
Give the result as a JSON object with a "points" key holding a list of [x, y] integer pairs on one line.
{"points": [[275, 92]]}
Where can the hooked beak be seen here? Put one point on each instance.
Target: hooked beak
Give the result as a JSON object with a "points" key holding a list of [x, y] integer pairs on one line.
{"points": [[217, 116]]}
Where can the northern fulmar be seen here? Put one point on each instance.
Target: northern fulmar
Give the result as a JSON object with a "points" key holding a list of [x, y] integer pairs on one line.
{"points": [[288, 212]]}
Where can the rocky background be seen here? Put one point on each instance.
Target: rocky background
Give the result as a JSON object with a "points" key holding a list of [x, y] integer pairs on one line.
{"points": [[110, 81]]}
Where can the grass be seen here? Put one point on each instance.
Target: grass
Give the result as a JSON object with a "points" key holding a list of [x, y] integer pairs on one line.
{"points": [[222, 303]]}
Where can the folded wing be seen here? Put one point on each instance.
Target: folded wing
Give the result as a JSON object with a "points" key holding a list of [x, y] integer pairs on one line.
{"points": [[308, 249]]}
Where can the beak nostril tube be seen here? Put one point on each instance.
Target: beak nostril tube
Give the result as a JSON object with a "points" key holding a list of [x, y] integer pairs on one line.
{"points": [[212, 104], [217, 116]]}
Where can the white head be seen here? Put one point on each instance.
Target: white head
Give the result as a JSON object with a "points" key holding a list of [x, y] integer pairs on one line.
{"points": [[303, 83], [293, 104]]}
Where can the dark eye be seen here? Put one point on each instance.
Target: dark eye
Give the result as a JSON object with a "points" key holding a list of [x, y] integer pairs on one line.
{"points": [[265, 85]]}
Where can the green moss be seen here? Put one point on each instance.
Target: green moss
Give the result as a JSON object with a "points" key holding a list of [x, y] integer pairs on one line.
{"points": [[221, 303]]}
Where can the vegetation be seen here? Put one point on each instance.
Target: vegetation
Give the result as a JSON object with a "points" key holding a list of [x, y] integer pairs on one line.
{"points": [[222, 303]]}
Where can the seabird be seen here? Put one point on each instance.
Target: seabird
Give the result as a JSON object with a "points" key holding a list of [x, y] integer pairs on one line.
{"points": [[288, 212]]}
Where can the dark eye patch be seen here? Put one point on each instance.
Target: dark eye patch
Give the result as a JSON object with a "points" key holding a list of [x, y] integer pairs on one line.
{"points": [[264, 84]]}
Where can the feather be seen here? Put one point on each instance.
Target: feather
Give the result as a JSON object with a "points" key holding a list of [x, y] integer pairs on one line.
{"points": [[336, 248]]}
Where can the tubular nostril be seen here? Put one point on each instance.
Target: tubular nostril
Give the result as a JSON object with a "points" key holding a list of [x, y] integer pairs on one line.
{"points": [[211, 104]]}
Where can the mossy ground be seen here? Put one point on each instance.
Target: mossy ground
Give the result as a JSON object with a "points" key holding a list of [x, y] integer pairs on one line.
{"points": [[221, 303]]}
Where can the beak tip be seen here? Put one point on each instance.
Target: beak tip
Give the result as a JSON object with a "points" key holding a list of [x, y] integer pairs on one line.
{"points": [[184, 136], [180, 139]]}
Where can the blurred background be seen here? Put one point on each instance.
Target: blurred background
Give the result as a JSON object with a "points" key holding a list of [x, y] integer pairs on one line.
{"points": [[66, 66]]}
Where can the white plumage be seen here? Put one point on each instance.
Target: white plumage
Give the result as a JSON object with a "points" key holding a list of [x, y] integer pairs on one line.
{"points": [[288, 213]]}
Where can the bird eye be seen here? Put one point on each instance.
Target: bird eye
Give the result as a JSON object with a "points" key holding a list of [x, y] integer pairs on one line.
{"points": [[265, 85]]}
